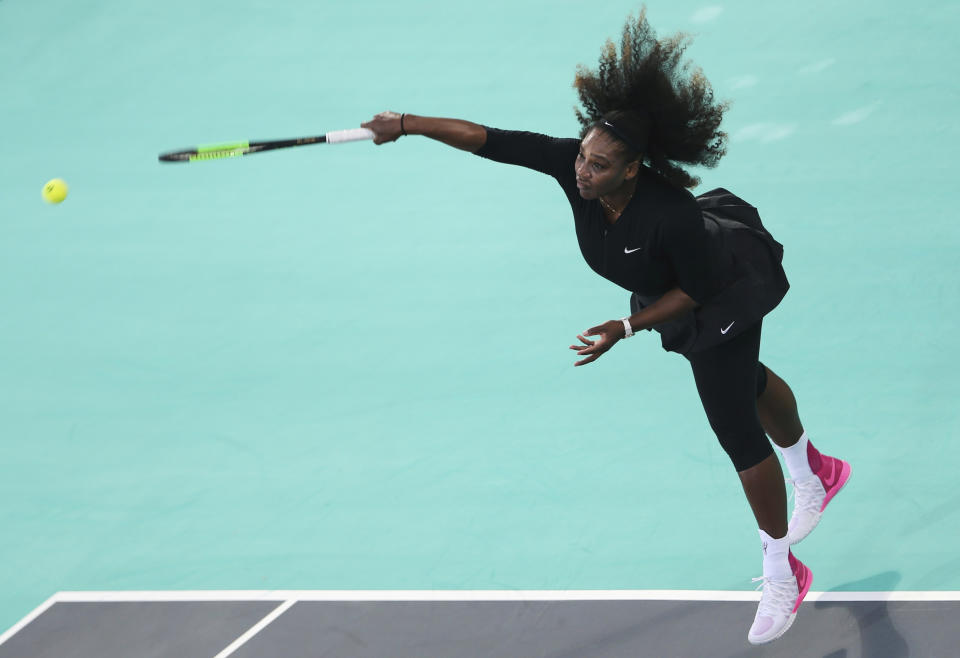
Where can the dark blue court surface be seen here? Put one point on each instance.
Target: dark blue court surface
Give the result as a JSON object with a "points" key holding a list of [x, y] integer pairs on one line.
{"points": [[477, 624]]}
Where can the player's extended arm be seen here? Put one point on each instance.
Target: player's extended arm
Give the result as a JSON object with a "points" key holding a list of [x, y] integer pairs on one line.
{"points": [[453, 132]]}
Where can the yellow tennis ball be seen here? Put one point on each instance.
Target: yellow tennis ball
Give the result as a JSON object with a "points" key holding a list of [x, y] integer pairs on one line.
{"points": [[55, 191]]}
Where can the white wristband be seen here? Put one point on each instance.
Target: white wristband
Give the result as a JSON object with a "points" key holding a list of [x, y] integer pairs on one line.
{"points": [[628, 330]]}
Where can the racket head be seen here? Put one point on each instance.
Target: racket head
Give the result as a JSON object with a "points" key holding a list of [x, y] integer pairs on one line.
{"points": [[236, 149], [208, 152]]}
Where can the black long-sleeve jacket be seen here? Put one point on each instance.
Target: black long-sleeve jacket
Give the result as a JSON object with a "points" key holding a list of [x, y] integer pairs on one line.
{"points": [[713, 247]]}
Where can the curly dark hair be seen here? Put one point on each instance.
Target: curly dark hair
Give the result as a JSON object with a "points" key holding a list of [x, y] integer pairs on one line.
{"points": [[662, 107]]}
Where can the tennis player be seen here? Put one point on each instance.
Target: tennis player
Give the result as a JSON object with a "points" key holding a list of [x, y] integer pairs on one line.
{"points": [[703, 272]]}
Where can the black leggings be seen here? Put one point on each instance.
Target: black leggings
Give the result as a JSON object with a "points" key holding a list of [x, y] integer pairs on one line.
{"points": [[729, 379]]}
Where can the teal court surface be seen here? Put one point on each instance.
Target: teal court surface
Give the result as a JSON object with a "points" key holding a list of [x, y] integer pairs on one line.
{"points": [[323, 398]]}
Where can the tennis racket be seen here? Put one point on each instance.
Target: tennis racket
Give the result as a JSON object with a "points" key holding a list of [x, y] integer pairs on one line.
{"points": [[236, 149]]}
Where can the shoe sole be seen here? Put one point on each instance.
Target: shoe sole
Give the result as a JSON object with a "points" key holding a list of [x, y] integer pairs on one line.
{"points": [[844, 479]]}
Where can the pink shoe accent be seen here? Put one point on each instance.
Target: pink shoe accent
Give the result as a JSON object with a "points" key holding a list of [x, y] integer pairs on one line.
{"points": [[813, 457], [833, 472], [804, 578], [840, 473]]}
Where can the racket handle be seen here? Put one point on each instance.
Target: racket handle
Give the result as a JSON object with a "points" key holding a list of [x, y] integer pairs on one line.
{"points": [[352, 135]]}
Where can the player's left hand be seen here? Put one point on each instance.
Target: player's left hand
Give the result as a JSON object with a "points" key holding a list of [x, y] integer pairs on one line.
{"points": [[610, 332]]}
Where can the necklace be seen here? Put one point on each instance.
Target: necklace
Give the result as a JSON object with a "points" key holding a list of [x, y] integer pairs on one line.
{"points": [[613, 210]]}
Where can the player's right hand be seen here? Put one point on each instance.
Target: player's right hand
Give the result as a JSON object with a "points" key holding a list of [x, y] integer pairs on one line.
{"points": [[385, 127]]}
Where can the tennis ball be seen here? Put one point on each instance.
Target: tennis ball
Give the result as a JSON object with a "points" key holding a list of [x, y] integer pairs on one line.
{"points": [[55, 191]]}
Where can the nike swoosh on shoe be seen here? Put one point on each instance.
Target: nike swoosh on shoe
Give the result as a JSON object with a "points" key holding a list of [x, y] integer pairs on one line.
{"points": [[839, 474], [831, 479]]}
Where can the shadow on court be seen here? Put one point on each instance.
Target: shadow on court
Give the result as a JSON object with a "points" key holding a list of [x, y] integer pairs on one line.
{"points": [[877, 634]]}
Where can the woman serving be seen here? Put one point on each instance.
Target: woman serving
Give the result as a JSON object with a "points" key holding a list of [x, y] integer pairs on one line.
{"points": [[702, 272]]}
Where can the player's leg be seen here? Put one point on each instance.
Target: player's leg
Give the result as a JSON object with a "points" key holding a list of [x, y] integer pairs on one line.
{"points": [[777, 409], [763, 486], [816, 478], [726, 378]]}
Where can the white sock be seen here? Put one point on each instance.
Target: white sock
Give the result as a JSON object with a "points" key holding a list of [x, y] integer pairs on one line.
{"points": [[796, 457], [776, 565]]}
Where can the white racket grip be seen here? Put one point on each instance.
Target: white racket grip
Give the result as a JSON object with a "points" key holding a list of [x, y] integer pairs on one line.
{"points": [[352, 135]]}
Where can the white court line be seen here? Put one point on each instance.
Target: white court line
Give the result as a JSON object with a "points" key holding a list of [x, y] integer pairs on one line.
{"points": [[256, 628], [483, 595], [39, 610]]}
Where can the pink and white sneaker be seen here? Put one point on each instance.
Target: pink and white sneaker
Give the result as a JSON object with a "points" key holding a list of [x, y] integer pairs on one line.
{"points": [[812, 493], [779, 603]]}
